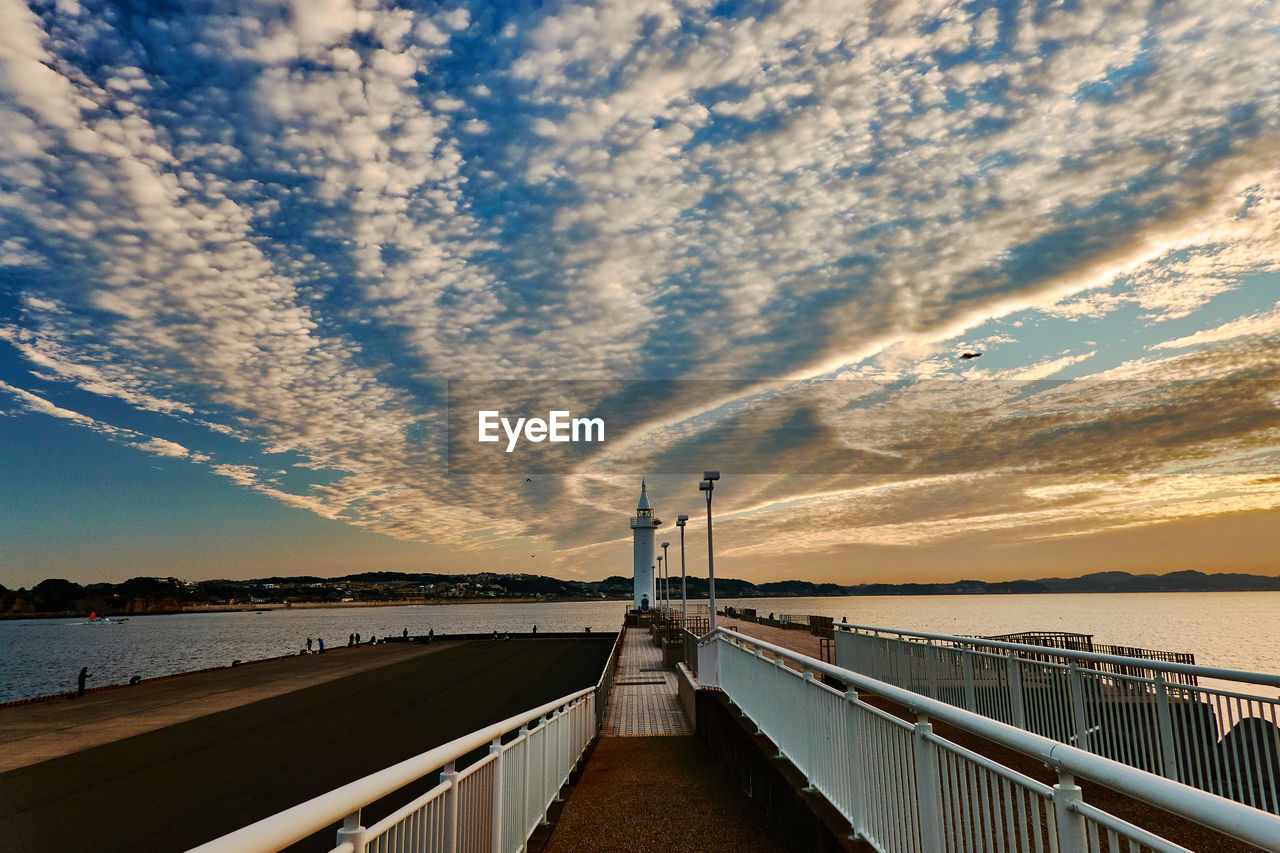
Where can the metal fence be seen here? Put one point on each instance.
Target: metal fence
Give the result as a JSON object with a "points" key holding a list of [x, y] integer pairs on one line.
{"points": [[1161, 717], [492, 805], [904, 789]]}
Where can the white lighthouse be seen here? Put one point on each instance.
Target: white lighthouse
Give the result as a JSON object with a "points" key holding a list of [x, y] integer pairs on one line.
{"points": [[642, 528]]}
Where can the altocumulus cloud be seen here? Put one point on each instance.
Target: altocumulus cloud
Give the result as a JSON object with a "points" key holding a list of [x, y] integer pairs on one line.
{"points": [[289, 224]]}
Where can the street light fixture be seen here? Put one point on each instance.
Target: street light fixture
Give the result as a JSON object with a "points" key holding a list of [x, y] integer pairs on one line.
{"points": [[708, 485], [681, 521], [666, 579], [657, 584]]}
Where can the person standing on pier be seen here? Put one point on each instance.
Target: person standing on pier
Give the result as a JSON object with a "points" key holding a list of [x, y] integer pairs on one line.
{"points": [[308, 644], [351, 639], [321, 641], [84, 675]]}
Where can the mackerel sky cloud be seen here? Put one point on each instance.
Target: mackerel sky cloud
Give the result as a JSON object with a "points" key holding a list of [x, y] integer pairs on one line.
{"points": [[244, 248]]}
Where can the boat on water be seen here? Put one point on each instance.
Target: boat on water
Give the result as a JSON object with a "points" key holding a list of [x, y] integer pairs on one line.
{"points": [[94, 619]]}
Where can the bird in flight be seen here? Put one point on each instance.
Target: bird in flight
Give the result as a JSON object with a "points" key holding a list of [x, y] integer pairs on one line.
{"points": [[968, 355]]}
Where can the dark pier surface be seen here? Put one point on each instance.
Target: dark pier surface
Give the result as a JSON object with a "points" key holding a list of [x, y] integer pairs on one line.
{"points": [[54, 727], [650, 785], [657, 794], [189, 782]]}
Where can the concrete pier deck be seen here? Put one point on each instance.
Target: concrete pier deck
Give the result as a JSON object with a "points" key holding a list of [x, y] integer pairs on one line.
{"points": [[181, 785], [38, 732]]}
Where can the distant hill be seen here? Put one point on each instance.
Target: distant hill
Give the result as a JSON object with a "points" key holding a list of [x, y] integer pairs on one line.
{"points": [[1186, 581], [56, 596]]}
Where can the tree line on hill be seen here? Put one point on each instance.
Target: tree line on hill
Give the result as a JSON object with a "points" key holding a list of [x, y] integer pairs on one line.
{"points": [[57, 596]]}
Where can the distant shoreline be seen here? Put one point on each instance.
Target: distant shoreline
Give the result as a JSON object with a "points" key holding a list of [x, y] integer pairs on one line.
{"points": [[316, 605], [301, 605]]}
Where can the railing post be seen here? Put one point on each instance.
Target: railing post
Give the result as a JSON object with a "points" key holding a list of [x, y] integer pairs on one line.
{"points": [[527, 735], [352, 831], [966, 674], [857, 787], [544, 802], [558, 758], [812, 741], [1075, 681], [1071, 835], [928, 785], [450, 776], [1164, 724], [499, 808], [708, 663], [1016, 704]]}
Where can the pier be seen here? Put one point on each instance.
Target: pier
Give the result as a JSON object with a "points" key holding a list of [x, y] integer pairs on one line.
{"points": [[830, 757], [172, 764], [647, 768], [753, 743]]}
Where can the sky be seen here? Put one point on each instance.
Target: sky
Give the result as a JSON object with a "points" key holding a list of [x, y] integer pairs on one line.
{"points": [[262, 262]]}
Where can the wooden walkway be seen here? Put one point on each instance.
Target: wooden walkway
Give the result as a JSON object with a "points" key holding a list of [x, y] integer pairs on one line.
{"points": [[643, 702]]}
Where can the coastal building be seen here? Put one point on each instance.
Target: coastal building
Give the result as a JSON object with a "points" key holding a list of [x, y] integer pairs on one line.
{"points": [[643, 526]]}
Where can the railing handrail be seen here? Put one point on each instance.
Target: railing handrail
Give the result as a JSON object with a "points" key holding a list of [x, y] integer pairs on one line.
{"points": [[293, 824], [1242, 675], [1217, 813], [610, 662]]}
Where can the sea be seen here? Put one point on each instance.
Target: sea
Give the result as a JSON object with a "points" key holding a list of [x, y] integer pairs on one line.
{"points": [[38, 657]]}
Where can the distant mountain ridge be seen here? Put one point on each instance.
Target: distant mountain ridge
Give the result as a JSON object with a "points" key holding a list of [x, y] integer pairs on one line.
{"points": [[168, 595]]}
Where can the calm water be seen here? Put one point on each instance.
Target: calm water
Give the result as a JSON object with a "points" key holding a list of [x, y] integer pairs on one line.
{"points": [[1237, 630]]}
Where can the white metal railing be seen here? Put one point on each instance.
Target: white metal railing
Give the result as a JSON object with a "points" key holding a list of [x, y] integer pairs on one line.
{"points": [[905, 789], [492, 805], [1209, 728]]}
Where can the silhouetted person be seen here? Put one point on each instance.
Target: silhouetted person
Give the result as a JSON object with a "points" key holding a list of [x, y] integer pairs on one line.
{"points": [[535, 629], [135, 680], [84, 675], [357, 638], [351, 639], [431, 634], [321, 646], [373, 641], [406, 633], [308, 644]]}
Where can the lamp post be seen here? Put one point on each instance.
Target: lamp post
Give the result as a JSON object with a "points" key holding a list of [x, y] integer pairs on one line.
{"points": [[708, 485], [684, 603], [657, 584], [666, 579]]}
